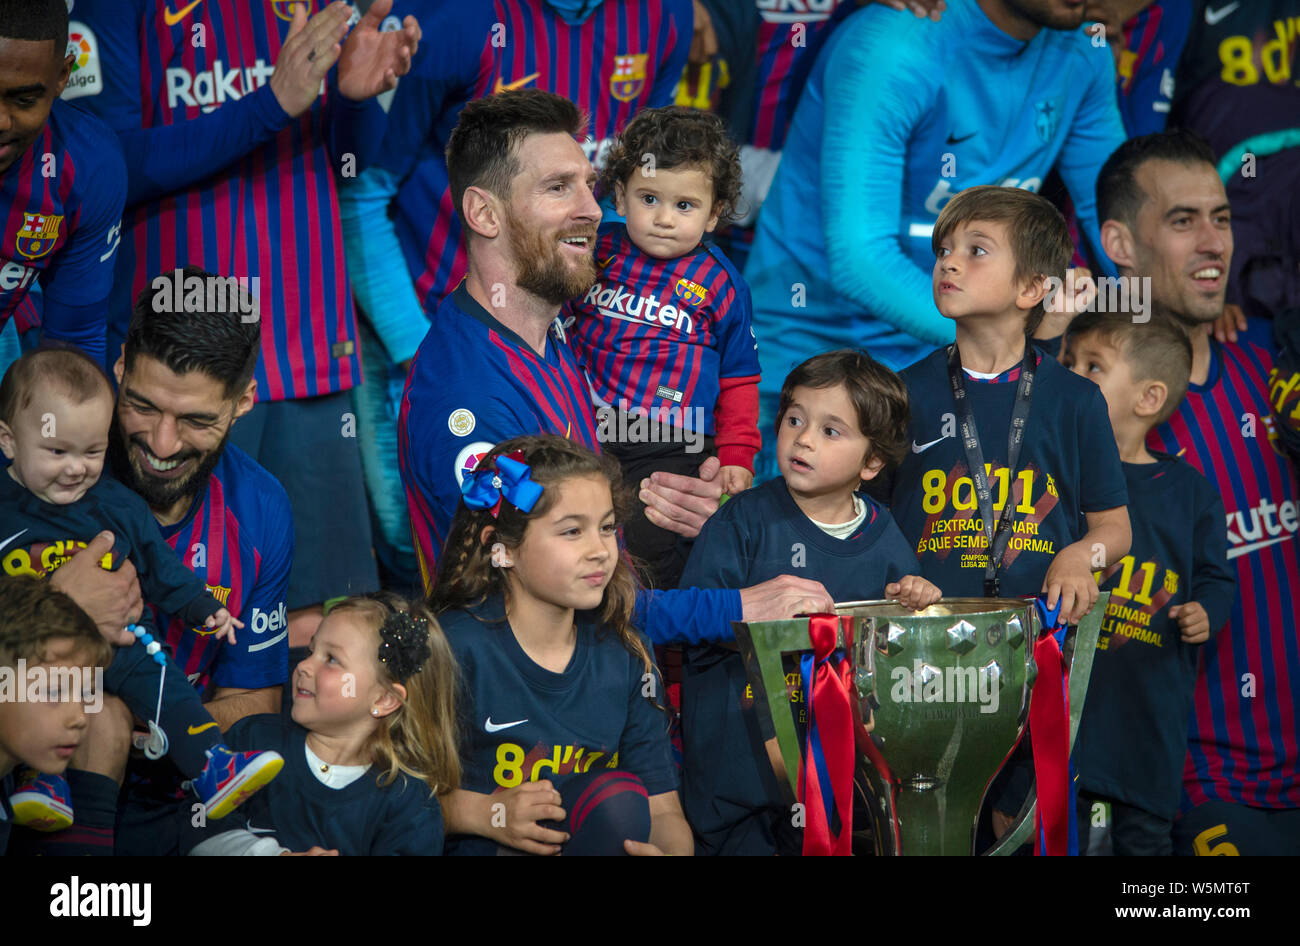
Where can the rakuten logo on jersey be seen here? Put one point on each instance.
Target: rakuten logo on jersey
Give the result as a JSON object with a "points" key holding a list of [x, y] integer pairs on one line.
{"points": [[615, 302], [208, 90], [796, 11], [1266, 524], [14, 276]]}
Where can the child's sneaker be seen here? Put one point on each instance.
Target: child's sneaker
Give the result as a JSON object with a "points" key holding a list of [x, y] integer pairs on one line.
{"points": [[230, 777], [42, 802]]}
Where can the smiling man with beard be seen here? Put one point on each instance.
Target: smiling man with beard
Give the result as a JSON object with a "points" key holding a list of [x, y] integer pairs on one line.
{"points": [[184, 379], [1166, 217], [496, 364]]}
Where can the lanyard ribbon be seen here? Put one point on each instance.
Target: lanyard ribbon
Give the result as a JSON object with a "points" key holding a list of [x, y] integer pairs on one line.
{"points": [[1049, 730], [826, 771], [997, 536]]}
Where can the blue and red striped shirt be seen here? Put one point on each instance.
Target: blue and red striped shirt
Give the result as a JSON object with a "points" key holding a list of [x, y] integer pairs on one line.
{"points": [[220, 176], [238, 537], [790, 35], [660, 334], [626, 56], [1246, 711], [474, 383], [61, 213]]}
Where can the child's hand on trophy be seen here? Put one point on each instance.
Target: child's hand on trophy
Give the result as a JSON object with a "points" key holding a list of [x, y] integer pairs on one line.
{"points": [[914, 592], [1070, 582]]}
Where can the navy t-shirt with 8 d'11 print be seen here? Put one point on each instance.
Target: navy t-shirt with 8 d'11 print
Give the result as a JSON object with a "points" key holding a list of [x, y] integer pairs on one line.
{"points": [[524, 723], [1069, 465]]}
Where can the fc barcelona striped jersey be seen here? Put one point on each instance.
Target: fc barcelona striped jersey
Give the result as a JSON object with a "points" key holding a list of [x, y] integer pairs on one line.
{"points": [[790, 35], [658, 334], [237, 536], [1246, 710], [626, 56], [61, 209], [221, 177], [474, 383]]}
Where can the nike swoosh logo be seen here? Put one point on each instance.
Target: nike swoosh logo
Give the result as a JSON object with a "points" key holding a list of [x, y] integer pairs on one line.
{"points": [[497, 727], [261, 830], [171, 19], [11, 538], [1240, 550], [511, 86], [957, 141], [195, 730], [921, 448], [1212, 17]]}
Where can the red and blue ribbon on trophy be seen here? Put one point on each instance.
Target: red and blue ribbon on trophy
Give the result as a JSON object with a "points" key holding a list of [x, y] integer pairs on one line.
{"points": [[1055, 830], [826, 772]]}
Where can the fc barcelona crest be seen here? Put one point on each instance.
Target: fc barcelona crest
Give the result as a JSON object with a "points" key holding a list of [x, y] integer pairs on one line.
{"points": [[691, 293], [284, 8], [38, 234], [628, 78]]}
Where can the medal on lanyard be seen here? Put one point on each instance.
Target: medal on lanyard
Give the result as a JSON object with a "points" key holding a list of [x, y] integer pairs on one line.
{"points": [[997, 532]]}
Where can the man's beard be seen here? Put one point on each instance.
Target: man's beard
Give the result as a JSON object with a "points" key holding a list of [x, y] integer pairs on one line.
{"points": [[159, 493], [1040, 12], [544, 272]]}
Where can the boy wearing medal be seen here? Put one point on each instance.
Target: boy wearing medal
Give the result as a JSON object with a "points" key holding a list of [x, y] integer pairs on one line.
{"points": [[1005, 441], [1008, 449]]}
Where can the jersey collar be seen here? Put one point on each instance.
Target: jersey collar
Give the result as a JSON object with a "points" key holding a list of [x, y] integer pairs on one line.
{"points": [[470, 306]]}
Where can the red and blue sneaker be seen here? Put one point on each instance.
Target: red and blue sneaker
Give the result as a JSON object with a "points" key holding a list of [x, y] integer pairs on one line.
{"points": [[42, 802], [231, 777]]}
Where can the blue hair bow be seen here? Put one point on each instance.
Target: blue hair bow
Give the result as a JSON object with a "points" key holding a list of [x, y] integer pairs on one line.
{"points": [[509, 477]]}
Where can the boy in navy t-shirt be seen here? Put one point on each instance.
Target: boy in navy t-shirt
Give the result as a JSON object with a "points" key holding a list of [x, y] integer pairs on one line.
{"points": [[665, 333], [991, 396], [1167, 596], [1008, 449], [842, 417]]}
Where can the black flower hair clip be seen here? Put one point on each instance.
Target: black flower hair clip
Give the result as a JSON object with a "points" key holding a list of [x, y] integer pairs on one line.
{"points": [[404, 644]]}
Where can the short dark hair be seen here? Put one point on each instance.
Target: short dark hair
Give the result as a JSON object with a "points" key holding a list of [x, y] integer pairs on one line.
{"points": [[1119, 196], [678, 137], [1040, 237], [1156, 350], [878, 395], [33, 615], [36, 21], [67, 369], [481, 150], [220, 343]]}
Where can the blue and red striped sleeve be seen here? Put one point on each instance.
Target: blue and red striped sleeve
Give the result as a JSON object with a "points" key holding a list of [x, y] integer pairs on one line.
{"points": [[162, 159], [77, 282]]}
